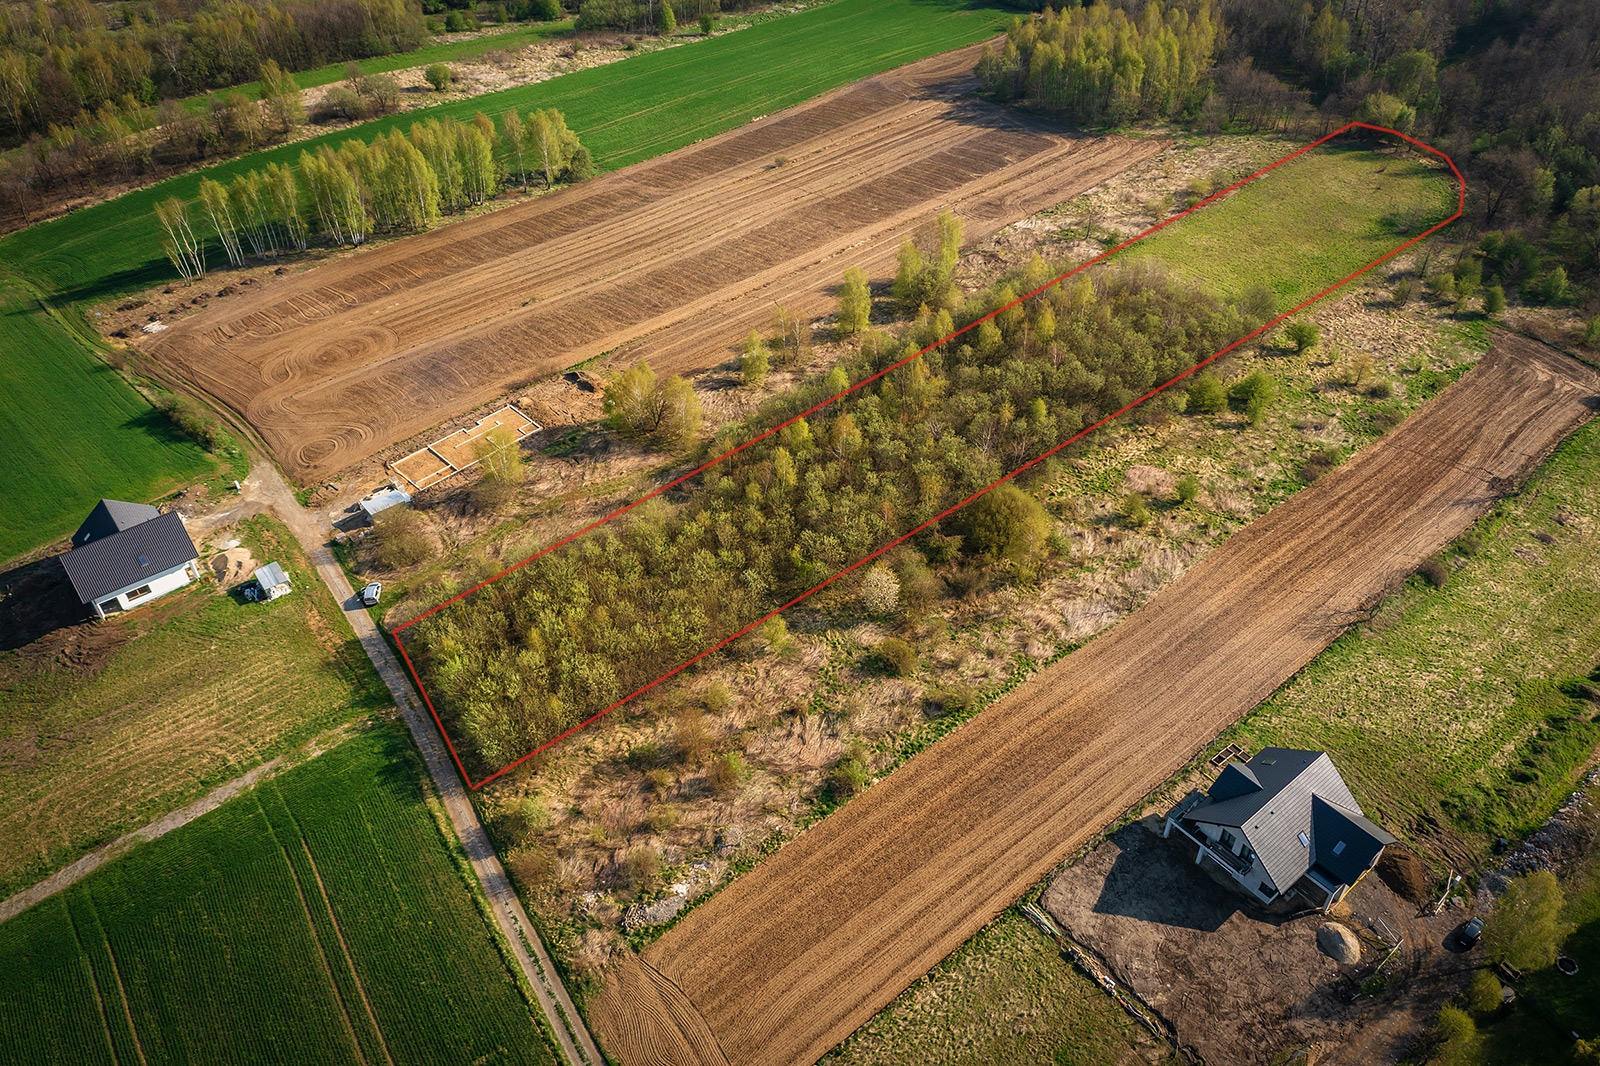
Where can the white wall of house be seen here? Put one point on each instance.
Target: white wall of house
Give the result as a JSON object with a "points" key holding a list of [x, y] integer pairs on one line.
{"points": [[153, 589]]}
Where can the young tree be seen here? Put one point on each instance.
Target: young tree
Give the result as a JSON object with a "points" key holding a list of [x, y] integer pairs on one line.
{"points": [[1256, 392], [219, 208], [514, 139], [281, 96], [438, 75], [551, 144], [1526, 928], [1494, 300], [247, 195], [753, 362], [183, 248], [284, 194], [669, 21], [1207, 394], [631, 402], [855, 302], [501, 458]]}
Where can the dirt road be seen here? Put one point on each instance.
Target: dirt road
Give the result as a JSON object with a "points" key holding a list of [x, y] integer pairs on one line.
{"points": [[673, 260], [798, 953]]}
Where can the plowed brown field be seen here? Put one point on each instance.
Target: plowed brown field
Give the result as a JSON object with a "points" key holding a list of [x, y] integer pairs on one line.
{"points": [[799, 952], [673, 260]]}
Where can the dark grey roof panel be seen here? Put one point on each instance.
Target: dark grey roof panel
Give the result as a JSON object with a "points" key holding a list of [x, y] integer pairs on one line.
{"points": [[128, 558], [1344, 842], [1236, 780], [109, 517]]}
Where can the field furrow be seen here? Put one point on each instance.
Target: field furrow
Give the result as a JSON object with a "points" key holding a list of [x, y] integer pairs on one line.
{"points": [[673, 260]]}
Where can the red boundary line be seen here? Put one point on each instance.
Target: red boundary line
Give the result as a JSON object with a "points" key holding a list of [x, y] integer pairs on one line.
{"points": [[1461, 201]]}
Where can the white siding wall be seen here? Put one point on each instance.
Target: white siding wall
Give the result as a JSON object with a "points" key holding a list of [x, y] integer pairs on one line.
{"points": [[159, 586]]}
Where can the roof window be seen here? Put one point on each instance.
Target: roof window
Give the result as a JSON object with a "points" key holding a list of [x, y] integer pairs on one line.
{"points": [[1338, 849], [1305, 842]]}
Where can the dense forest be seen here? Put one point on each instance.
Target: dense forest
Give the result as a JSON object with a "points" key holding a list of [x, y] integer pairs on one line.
{"points": [[1509, 88], [579, 628], [61, 61]]}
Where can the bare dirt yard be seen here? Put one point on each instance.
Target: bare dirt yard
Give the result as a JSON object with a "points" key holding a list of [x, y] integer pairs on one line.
{"points": [[785, 963], [1242, 985], [673, 260]]}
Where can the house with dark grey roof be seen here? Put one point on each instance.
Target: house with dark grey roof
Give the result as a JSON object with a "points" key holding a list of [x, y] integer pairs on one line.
{"points": [[1283, 822], [128, 554]]}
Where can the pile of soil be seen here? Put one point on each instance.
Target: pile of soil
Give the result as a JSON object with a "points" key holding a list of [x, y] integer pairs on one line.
{"points": [[1405, 875]]}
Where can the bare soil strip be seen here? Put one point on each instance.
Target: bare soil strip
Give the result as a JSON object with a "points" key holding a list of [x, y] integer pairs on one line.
{"points": [[671, 260], [801, 951]]}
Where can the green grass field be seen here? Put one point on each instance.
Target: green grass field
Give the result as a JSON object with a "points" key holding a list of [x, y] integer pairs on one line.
{"points": [[1306, 224], [203, 688], [72, 431], [1007, 996], [1448, 704], [624, 112], [321, 918]]}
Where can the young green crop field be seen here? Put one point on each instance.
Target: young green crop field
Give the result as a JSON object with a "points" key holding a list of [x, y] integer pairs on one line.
{"points": [[198, 688], [1454, 703], [72, 431], [1307, 224], [321, 918], [624, 112]]}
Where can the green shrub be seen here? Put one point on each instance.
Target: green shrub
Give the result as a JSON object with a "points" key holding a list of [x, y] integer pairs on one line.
{"points": [[753, 361], [1380, 390], [1483, 994], [1207, 394], [1188, 488], [192, 418], [1525, 929], [851, 774], [1256, 392], [1134, 510], [899, 657], [1404, 290], [1004, 522], [399, 538], [708, 23], [958, 697], [1302, 334], [1494, 300], [716, 698], [1435, 572], [438, 75]]}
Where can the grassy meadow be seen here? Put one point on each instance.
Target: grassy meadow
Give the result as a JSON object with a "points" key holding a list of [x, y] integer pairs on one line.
{"points": [[200, 687], [1305, 225], [1008, 996], [72, 431], [1455, 703], [321, 918]]}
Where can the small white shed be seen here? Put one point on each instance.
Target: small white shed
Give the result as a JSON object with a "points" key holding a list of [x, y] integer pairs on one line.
{"points": [[273, 582], [383, 500]]}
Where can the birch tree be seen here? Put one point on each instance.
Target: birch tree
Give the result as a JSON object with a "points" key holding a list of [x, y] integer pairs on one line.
{"points": [[180, 243], [219, 208]]}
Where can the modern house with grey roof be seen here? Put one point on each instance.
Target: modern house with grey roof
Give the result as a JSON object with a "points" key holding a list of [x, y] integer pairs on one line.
{"points": [[127, 554], [1283, 822]]}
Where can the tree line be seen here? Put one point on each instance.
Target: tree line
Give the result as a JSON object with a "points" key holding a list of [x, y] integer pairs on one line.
{"points": [[63, 60], [399, 183], [1509, 90], [1099, 65], [575, 630]]}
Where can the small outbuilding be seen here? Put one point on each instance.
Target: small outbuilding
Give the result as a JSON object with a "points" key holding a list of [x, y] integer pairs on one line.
{"points": [[127, 554], [272, 583], [1283, 822], [382, 501]]}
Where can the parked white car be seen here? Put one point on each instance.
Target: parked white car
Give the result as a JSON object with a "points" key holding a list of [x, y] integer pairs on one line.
{"points": [[370, 594]]}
